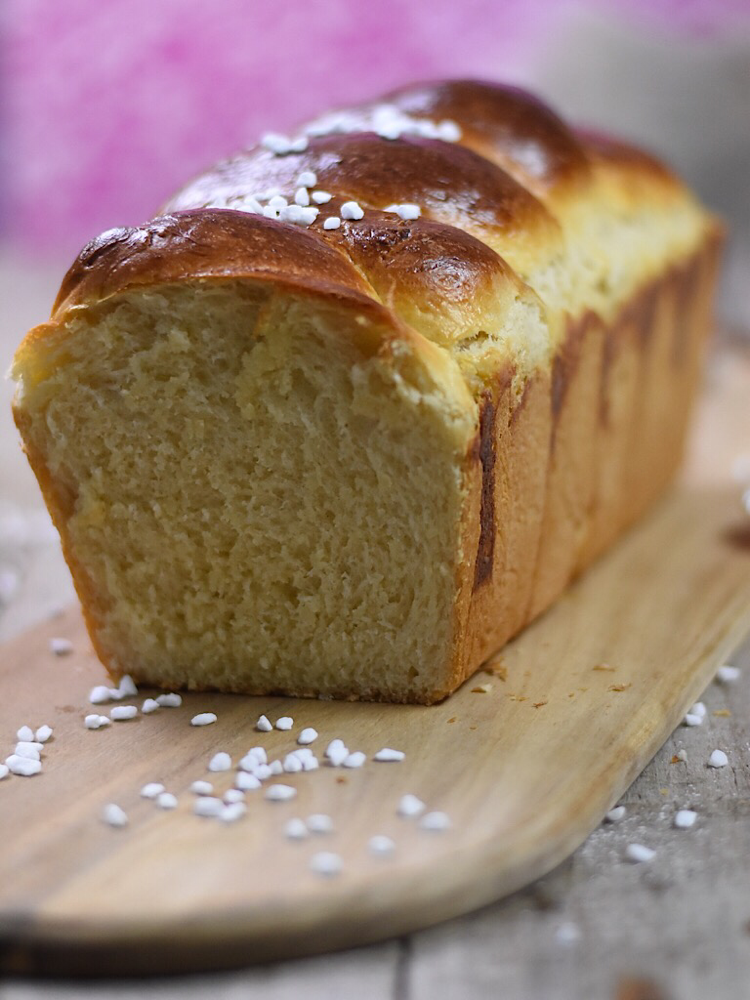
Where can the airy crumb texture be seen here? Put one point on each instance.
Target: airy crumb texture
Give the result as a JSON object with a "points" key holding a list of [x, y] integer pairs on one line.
{"points": [[255, 503]]}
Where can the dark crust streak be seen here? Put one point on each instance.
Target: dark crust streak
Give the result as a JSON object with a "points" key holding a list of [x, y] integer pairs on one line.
{"points": [[486, 545], [566, 361]]}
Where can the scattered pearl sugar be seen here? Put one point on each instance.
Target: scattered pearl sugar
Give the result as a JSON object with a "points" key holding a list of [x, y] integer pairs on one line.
{"points": [[170, 700], [332, 222], [207, 805], [355, 759], [436, 821], [567, 933], [166, 801], [685, 818], [335, 745], [250, 761], [326, 863], [203, 719], [4, 771], [718, 759], [302, 197], [616, 814], [407, 212], [43, 733], [682, 755], [638, 852], [321, 197], [30, 750], [262, 772], [285, 722], [307, 179], [233, 795], [99, 695], [202, 787], [319, 823], [263, 725], [280, 145], [276, 767], [246, 782], [693, 720], [295, 829], [307, 736], [220, 762], [380, 845], [232, 812], [96, 721], [150, 705], [151, 790], [310, 764], [410, 805], [127, 687], [60, 647], [113, 815], [280, 793], [25, 733], [387, 754], [292, 764], [352, 210], [727, 674], [698, 709], [123, 712], [24, 766], [337, 756]]}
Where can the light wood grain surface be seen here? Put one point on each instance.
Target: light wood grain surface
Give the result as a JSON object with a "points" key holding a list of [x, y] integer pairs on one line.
{"points": [[595, 926]]}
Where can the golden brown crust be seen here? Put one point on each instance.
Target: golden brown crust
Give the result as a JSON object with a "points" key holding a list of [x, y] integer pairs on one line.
{"points": [[506, 124], [202, 244], [451, 184]]}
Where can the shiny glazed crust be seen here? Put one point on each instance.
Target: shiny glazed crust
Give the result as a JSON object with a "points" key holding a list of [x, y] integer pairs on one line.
{"points": [[568, 450]]}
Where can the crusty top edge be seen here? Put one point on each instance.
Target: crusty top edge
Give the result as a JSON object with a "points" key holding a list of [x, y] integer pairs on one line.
{"points": [[207, 243], [503, 123]]}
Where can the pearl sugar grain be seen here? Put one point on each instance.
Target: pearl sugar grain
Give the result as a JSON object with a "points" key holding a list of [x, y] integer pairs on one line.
{"points": [[380, 845], [203, 719], [280, 793], [386, 754], [638, 853], [436, 822], [220, 762], [685, 818], [169, 700], [326, 863], [121, 713], [319, 823], [24, 766], [409, 805], [113, 815]]}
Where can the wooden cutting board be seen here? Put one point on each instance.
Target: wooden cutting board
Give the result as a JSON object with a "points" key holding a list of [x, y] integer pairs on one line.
{"points": [[572, 712]]}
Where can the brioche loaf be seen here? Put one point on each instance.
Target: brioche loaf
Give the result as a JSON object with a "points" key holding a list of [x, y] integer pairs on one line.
{"points": [[352, 462]]}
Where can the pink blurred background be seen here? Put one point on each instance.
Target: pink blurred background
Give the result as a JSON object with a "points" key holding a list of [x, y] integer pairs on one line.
{"points": [[111, 104]]}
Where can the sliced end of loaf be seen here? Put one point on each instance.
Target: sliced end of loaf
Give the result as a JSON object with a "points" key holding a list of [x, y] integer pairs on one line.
{"points": [[242, 486]]}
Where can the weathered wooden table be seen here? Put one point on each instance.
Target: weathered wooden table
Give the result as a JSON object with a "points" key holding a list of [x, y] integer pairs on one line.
{"points": [[677, 927]]}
